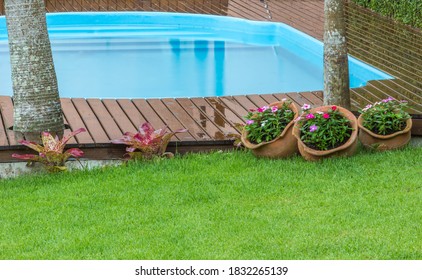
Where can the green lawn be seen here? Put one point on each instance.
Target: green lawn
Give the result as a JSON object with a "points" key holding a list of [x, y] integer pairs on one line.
{"points": [[220, 206]]}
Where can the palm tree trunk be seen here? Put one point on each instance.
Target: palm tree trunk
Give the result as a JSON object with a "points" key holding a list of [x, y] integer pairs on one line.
{"points": [[35, 93], [336, 69]]}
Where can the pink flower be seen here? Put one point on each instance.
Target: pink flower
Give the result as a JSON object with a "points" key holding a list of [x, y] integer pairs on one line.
{"points": [[369, 106], [326, 116], [249, 122], [313, 128], [262, 109], [388, 99], [298, 119], [306, 107], [310, 116], [334, 108], [274, 109]]}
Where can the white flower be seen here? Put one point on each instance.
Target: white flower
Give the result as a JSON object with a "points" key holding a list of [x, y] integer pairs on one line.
{"points": [[263, 123], [306, 107]]}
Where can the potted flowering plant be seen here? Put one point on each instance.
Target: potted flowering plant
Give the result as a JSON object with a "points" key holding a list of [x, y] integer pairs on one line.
{"points": [[385, 125], [268, 130], [326, 131]]}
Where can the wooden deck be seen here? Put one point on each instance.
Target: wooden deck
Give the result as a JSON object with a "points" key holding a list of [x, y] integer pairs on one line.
{"points": [[389, 46], [211, 121]]}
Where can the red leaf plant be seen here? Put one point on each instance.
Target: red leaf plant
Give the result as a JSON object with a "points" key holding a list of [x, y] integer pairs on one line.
{"points": [[51, 152], [147, 142]]}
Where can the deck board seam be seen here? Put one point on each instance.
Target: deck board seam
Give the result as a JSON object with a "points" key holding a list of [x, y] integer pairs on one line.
{"points": [[127, 116], [203, 113], [186, 126], [98, 119], [220, 101], [225, 118], [83, 121], [136, 125], [222, 116], [192, 119]]}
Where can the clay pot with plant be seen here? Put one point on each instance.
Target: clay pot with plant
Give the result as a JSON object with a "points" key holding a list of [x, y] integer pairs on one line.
{"points": [[326, 131], [385, 125], [268, 130]]}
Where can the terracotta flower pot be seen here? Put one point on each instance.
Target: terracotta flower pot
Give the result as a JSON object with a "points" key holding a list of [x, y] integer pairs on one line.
{"points": [[285, 145], [347, 149], [384, 142]]}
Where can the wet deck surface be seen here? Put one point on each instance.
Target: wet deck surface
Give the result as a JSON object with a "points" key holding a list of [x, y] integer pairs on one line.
{"points": [[211, 121], [392, 47]]}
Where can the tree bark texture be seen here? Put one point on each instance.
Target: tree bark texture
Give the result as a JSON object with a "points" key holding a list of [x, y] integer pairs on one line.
{"points": [[336, 68], [36, 98]]}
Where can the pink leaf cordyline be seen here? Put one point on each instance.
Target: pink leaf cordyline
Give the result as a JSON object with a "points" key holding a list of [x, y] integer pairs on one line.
{"points": [[24, 157], [75, 152], [148, 141], [51, 152]]}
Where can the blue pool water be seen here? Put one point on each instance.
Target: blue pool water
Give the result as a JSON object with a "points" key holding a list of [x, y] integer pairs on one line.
{"points": [[144, 55]]}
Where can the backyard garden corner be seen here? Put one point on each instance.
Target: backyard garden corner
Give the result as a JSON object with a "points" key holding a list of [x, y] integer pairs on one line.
{"points": [[180, 189]]}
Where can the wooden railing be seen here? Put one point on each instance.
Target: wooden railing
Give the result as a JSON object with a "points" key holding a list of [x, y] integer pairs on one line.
{"points": [[218, 7]]}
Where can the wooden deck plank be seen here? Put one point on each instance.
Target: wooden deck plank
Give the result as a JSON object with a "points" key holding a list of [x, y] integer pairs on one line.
{"points": [[228, 103], [6, 106], [269, 98], [120, 117], [155, 120], [227, 114], [106, 118], [91, 121], [67, 131], [149, 114], [186, 120], [295, 97], [245, 102], [359, 98], [319, 94], [169, 119], [131, 112], [258, 100], [202, 117], [219, 120], [313, 99], [75, 121]]}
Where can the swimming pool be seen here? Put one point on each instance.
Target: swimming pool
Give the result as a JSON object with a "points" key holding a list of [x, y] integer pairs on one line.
{"points": [[149, 55]]}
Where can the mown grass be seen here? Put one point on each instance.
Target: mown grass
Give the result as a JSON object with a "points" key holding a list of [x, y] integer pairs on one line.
{"points": [[220, 206]]}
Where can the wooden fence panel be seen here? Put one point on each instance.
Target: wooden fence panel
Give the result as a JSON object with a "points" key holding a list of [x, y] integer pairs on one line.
{"points": [[194, 6]]}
